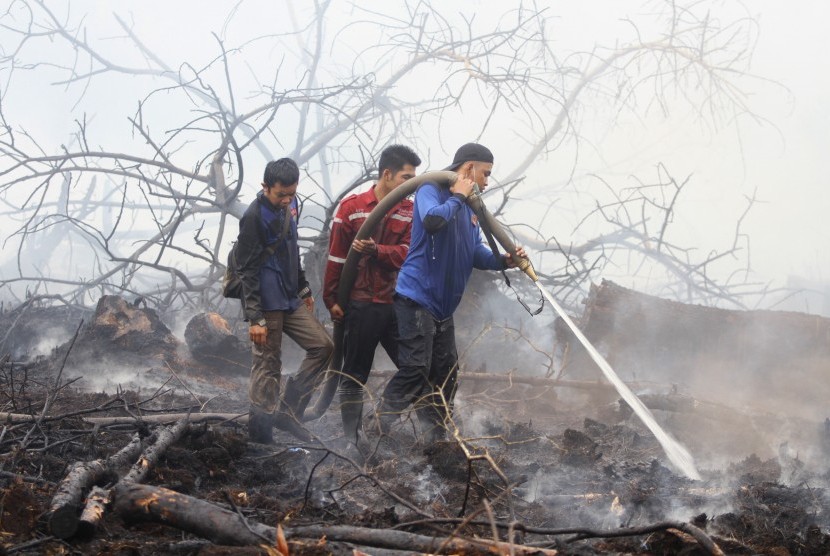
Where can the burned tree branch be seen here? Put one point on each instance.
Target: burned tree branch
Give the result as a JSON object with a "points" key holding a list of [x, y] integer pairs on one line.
{"points": [[391, 539], [508, 70], [137, 503], [580, 533], [160, 419], [140, 503], [54, 393], [702, 538], [99, 498], [151, 455], [62, 517]]}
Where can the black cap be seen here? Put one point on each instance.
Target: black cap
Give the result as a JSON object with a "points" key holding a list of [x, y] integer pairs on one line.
{"points": [[470, 152]]}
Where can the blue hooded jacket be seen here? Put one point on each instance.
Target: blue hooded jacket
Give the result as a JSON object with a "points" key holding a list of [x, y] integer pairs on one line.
{"points": [[446, 245]]}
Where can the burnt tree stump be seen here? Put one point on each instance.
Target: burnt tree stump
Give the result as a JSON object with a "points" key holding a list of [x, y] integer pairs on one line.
{"points": [[123, 334], [636, 329], [211, 341], [755, 357]]}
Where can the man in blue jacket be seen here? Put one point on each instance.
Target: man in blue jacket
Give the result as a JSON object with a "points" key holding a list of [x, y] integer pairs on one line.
{"points": [[276, 299], [446, 245]]}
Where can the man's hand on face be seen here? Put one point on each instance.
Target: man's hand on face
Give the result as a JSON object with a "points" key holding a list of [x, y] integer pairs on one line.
{"points": [[462, 185], [365, 246], [258, 334], [336, 313]]}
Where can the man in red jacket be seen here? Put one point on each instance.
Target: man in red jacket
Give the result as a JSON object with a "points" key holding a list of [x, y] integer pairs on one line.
{"points": [[369, 317]]}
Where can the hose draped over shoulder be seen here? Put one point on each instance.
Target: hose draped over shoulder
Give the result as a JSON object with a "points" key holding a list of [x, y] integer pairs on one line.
{"points": [[349, 272]]}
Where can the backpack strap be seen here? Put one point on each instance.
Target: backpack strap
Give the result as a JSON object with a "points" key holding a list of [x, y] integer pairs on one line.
{"points": [[286, 226]]}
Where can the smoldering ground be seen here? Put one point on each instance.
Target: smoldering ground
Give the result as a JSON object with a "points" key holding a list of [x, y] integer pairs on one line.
{"points": [[546, 456]]}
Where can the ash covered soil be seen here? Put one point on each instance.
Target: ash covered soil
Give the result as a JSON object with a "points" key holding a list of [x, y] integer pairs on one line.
{"points": [[565, 470]]}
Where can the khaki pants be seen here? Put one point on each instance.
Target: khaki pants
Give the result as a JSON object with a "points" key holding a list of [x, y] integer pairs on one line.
{"points": [[309, 334]]}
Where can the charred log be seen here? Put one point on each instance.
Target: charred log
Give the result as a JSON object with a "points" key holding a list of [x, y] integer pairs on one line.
{"points": [[211, 341], [159, 419], [393, 539], [122, 331], [138, 503], [62, 517], [646, 331], [151, 455], [93, 512], [99, 498]]}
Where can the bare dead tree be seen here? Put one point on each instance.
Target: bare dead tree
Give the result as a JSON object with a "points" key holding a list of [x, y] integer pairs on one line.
{"points": [[148, 216], [639, 233]]}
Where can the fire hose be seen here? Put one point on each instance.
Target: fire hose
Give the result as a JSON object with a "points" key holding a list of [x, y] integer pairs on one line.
{"points": [[349, 272], [675, 451]]}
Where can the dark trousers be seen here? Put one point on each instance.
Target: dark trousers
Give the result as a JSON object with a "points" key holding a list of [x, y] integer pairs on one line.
{"points": [[427, 363], [366, 325]]}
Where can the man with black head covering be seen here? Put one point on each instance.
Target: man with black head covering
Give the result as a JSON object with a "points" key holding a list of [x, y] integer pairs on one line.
{"points": [[446, 245]]}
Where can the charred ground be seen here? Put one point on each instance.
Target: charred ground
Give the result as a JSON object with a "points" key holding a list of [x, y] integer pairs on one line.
{"points": [[547, 467]]}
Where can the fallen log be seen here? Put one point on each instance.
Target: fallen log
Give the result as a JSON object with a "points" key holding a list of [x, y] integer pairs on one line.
{"points": [[157, 419], [394, 539], [696, 533], [93, 512], [138, 503], [669, 402], [152, 454], [99, 498], [62, 516]]}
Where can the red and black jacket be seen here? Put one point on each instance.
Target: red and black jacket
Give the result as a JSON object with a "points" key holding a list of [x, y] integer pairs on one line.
{"points": [[376, 275]]}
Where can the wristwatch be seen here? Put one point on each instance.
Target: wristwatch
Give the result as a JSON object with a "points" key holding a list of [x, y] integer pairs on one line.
{"points": [[261, 322]]}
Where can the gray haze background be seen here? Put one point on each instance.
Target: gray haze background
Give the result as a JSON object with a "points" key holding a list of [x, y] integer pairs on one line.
{"points": [[779, 157]]}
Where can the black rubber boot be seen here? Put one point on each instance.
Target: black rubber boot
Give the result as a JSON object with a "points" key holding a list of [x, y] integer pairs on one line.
{"points": [[384, 446], [431, 425], [289, 415], [260, 426], [351, 411], [385, 419]]}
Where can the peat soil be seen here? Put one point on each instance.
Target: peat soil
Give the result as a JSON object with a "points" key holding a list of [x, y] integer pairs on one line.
{"points": [[570, 470]]}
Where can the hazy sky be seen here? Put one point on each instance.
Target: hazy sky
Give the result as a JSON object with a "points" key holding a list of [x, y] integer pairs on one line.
{"points": [[779, 157], [789, 228]]}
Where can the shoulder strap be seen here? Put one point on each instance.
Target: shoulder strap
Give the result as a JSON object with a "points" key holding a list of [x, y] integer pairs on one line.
{"points": [[286, 225]]}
